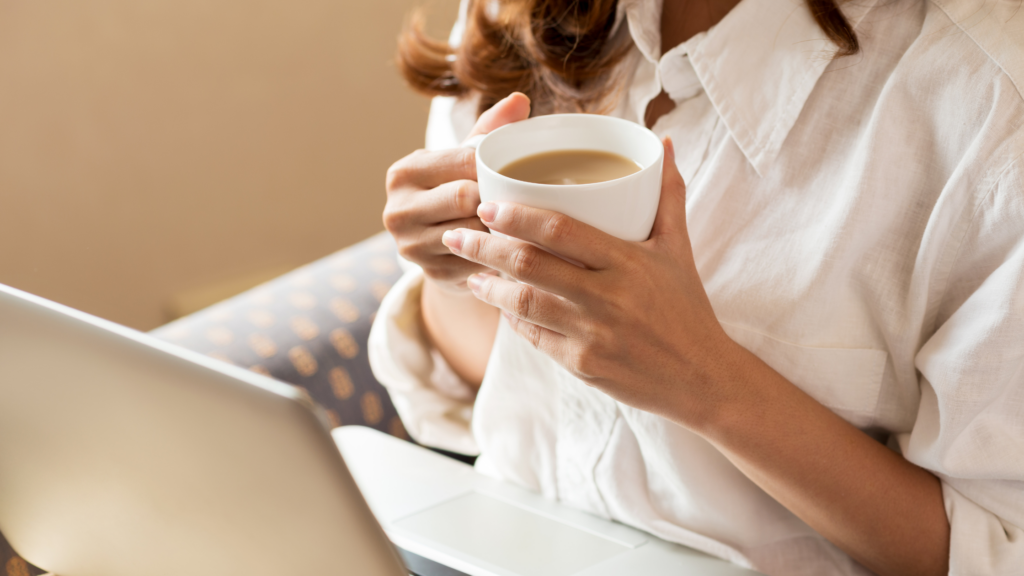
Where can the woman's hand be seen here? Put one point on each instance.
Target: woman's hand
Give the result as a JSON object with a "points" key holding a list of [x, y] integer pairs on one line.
{"points": [[431, 192], [634, 322]]}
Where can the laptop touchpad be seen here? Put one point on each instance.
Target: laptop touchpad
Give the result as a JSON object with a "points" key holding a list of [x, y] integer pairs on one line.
{"points": [[509, 538]]}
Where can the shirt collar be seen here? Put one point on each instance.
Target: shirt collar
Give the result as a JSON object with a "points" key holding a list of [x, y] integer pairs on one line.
{"points": [[758, 65]]}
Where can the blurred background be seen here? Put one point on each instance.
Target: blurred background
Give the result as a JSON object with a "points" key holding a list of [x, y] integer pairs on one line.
{"points": [[159, 156]]}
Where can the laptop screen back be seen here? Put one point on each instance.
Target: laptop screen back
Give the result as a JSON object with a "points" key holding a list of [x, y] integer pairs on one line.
{"points": [[123, 455]]}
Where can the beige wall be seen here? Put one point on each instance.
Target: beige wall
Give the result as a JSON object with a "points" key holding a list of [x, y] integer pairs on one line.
{"points": [[151, 149]]}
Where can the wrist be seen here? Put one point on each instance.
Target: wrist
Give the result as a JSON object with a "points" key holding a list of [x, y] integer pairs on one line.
{"points": [[460, 327], [440, 297], [752, 402], [736, 387], [445, 287]]}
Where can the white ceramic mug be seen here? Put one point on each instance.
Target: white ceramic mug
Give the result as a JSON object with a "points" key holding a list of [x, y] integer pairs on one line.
{"points": [[624, 207]]}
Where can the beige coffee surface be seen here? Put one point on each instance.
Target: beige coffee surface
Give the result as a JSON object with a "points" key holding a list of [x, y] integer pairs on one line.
{"points": [[570, 167]]}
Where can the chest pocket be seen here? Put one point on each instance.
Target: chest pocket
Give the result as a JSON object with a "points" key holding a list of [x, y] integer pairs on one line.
{"points": [[847, 380]]}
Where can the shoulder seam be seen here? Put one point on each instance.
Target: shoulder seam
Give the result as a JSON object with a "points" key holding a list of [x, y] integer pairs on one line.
{"points": [[966, 32]]}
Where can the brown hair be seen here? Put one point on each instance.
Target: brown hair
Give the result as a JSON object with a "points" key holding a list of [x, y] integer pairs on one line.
{"points": [[561, 53]]}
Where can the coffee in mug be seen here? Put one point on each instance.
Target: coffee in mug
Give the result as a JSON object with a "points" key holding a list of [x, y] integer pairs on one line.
{"points": [[566, 167], [621, 205]]}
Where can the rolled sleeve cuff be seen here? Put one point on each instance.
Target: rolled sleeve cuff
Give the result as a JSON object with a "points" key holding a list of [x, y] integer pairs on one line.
{"points": [[403, 360], [980, 543]]}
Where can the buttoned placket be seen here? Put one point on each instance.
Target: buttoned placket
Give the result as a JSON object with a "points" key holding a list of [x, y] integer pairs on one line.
{"points": [[674, 74], [586, 416]]}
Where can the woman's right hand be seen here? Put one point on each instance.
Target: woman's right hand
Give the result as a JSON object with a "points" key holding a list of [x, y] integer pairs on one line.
{"points": [[432, 192]]}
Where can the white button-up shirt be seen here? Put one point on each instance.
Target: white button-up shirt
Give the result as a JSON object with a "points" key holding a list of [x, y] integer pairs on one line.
{"points": [[857, 223]]}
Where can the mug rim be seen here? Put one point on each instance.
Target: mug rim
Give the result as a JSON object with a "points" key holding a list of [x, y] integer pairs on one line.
{"points": [[647, 132]]}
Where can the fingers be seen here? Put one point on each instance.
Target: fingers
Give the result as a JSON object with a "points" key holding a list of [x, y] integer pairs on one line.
{"points": [[449, 201], [426, 169], [556, 232], [525, 302], [426, 241], [450, 270], [436, 259], [519, 260], [430, 192], [548, 341], [540, 317], [513, 108], [670, 221]]}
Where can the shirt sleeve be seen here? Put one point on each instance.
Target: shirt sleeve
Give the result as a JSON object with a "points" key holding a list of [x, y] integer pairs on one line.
{"points": [[435, 405], [970, 425]]}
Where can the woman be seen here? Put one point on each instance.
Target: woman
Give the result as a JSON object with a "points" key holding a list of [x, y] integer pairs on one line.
{"points": [[815, 363]]}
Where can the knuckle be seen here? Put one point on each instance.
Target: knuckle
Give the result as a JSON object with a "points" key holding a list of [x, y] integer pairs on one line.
{"points": [[584, 362], [408, 249], [595, 346], [396, 175], [393, 219], [525, 260], [533, 335], [558, 228], [599, 337], [472, 246], [440, 273], [522, 302], [401, 216], [513, 215], [466, 160], [433, 272], [489, 292], [403, 171], [463, 198]]}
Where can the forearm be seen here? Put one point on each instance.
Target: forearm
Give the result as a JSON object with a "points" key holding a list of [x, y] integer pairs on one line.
{"points": [[882, 510], [461, 327]]}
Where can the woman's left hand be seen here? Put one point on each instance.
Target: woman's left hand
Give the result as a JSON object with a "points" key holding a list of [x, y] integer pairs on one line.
{"points": [[634, 321]]}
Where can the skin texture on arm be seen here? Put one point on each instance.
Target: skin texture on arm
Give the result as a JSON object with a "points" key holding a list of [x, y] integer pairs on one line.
{"points": [[882, 510], [429, 193], [461, 327], [614, 325]]}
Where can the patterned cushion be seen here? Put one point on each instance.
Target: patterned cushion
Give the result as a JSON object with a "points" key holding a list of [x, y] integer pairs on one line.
{"points": [[309, 328]]}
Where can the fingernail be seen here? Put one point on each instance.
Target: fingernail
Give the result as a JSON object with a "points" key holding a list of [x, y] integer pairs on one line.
{"points": [[487, 211], [475, 282], [453, 240], [670, 148]]}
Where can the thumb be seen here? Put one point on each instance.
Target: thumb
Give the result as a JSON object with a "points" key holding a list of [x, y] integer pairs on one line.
{"points": [[513, 108], [670, 221]]}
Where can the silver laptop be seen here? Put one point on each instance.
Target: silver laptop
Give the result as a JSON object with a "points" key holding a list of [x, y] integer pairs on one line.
{"points": [[122, 455]]}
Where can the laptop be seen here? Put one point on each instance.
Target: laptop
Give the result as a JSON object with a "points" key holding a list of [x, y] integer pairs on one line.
{"points": [[123, 455]]}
